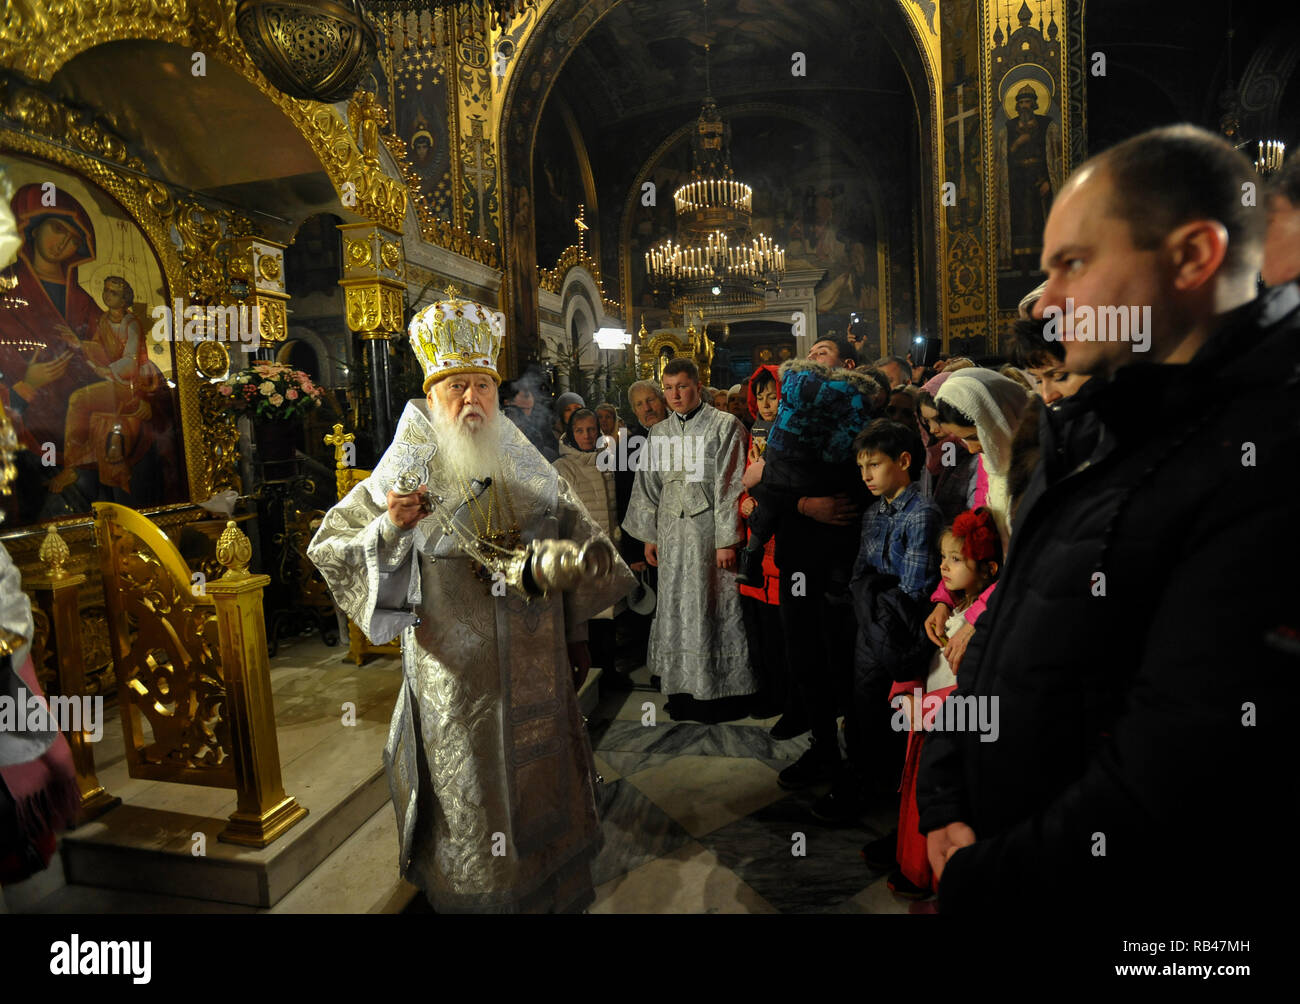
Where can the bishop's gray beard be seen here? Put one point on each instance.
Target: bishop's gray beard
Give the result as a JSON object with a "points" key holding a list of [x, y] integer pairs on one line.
{"points": [[472, 450]]}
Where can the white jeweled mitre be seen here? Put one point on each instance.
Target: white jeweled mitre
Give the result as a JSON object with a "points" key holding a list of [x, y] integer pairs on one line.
{"points": [[455, 335]]}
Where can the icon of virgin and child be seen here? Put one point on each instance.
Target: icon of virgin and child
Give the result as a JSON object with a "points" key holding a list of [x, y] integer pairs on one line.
{"points": [[95, 414]]}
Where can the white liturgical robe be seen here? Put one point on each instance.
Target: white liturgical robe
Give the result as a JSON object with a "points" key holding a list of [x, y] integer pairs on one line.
{"points": [[488, 761], [686, 501]]}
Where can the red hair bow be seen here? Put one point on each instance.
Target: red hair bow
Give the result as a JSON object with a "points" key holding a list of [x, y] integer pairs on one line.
{"points": [[978, 535]]}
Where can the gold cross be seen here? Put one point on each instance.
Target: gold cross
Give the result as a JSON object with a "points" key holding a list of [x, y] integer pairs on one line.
{"points": [[582, 226], [336, 440]]}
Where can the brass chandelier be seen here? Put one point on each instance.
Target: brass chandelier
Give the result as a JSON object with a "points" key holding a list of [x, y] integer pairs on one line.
{"points": [[716, 264], [1268, 161]]}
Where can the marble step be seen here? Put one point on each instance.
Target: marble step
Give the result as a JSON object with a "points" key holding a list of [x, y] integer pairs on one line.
{"points": [[340, 859], [360, 877], [331, 762], [23, 897], [139, 849], [148, 849]]}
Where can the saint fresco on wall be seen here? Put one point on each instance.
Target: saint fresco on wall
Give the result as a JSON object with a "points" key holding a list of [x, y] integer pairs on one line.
{"points": [[1029, 149], [422, 124]]}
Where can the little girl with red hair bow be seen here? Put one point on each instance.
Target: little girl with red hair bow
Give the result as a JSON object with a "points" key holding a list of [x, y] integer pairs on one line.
{"points": [[971, 551]]}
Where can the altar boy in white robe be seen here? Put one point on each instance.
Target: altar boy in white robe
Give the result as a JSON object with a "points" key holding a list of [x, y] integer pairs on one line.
{"points": [[686, 506], [488, 763]]}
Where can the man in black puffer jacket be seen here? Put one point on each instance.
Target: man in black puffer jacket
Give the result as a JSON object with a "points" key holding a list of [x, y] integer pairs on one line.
{"points": [[1143, 628]]}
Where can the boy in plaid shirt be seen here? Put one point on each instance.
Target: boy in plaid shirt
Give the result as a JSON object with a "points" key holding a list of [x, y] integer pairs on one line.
{"points": [[896, 570]]}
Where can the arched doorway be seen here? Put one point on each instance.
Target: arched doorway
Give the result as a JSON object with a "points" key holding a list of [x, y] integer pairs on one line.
{"points": [[558, 41]]}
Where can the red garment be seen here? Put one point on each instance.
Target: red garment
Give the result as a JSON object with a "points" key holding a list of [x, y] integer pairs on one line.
{"points": [[45, 793], [913, 860], [770, 591]]}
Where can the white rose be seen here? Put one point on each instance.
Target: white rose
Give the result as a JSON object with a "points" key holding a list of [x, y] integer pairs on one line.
{"points": [[10, 241]]}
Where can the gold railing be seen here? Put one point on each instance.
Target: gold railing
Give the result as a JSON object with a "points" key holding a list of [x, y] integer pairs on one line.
{"points": [[347, 477], [55, 594], [194, 687]]}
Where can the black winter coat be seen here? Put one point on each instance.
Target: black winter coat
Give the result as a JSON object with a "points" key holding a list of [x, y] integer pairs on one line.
{"points": [[1136, 644], [891, 638]]}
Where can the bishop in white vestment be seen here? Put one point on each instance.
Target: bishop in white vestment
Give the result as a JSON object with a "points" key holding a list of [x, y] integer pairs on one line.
{"points": [[488, 761]]}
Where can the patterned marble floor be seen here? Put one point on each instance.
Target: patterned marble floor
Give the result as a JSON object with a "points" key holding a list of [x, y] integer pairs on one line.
{"points": [[695, 822]]}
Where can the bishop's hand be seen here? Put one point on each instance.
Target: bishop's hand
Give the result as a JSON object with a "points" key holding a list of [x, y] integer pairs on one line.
{"points": [[405, 510]]}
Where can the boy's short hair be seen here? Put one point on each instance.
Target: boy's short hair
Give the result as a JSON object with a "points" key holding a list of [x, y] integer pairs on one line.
{"points": [[1030, 348], [606, 406], [893, 439], [678, 364], [848, 352]]}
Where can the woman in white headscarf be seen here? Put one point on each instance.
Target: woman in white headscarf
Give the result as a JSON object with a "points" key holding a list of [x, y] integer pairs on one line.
{"points": [[982, 409]]}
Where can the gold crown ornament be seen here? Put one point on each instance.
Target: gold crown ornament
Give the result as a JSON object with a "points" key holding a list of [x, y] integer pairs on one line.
{"points": [[456, 335]]}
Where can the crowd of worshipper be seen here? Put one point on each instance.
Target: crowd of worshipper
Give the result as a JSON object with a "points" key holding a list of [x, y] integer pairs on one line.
{"points": [[1061, 536]]}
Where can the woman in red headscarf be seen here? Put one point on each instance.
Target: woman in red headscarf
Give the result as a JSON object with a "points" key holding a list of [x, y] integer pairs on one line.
{"points": [[759, 602]]}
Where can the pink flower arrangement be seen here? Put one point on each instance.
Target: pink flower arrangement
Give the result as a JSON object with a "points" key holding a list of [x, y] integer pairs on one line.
{"points": [[271, 392]]}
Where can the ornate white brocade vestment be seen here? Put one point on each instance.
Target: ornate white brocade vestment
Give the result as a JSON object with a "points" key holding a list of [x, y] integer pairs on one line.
{"points": [[688, 511], [488, 762]]}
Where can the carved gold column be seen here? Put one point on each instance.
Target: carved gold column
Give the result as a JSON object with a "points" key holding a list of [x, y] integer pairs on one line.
{"points": [[263, 810], [255, 271], [55, 590], [374, 290]]}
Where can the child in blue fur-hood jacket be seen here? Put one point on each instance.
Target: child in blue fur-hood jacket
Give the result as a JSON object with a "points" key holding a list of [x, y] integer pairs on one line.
{"points": [[809, 443]]}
